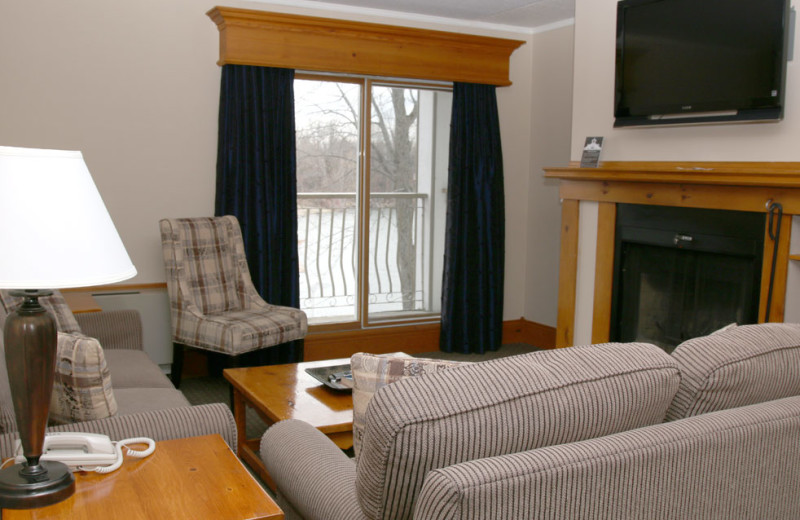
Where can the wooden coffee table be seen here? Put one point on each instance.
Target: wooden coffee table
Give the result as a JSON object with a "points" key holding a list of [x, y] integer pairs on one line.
{"points": [[196, 477], [279, 392]]}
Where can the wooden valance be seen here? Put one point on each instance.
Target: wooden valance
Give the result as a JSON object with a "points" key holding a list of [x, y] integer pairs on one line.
{"points": [[249, 37]]}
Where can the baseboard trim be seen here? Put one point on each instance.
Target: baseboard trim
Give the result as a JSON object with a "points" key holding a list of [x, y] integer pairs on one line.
{"points": [[412, 339]]}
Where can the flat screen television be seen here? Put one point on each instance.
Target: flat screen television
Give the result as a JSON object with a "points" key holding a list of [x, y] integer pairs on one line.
{"points": [[700, 61]]}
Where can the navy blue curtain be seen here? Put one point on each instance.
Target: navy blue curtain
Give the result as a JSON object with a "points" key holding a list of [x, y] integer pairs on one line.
{"points": [[472, 289], [257, 183]]}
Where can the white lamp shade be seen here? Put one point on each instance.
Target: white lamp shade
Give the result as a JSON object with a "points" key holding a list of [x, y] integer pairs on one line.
{"points": [[55, 231]]}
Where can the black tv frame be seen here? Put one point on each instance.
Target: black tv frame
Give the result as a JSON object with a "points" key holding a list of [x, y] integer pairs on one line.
{"points": [[734, 115]]}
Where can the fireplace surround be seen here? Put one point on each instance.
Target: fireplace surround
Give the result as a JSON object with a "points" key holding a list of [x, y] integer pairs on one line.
{"points": [[590, 199]]}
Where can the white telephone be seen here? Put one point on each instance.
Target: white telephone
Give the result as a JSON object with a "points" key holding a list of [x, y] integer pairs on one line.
{"points": [[87, 451]]}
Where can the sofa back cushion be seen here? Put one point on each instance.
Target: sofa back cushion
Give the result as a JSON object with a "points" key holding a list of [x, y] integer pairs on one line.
{"points": [[504, 406], [736, 367], [712, 466], [372, 372]]}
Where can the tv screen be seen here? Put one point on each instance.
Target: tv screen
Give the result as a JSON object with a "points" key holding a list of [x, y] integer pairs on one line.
{"points": [[689, 61]]}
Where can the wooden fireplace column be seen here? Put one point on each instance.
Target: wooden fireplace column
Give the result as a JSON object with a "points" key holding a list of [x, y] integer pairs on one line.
{"points": [[741, 186]]}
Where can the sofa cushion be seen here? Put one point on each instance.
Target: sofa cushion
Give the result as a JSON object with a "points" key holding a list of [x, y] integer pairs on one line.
{"points": [[372, 372], [135, 400], [134, 369], [742, 365], [82, 386], [505, 406]]}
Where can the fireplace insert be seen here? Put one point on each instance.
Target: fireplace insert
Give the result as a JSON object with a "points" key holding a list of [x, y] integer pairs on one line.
{"points": [[680, 273]]}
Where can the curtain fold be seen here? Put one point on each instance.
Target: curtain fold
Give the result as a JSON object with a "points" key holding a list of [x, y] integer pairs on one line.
{"points": [[472, 290], [257, 183]]}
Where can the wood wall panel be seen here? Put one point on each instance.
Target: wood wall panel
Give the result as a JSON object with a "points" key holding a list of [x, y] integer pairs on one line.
{"points": [[604, 272], [414, 339], [567, 273], [778, 304]]}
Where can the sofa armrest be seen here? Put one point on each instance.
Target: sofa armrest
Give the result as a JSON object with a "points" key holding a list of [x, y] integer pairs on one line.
{"points": [[310, 471], [159, 425], [113, 329]]}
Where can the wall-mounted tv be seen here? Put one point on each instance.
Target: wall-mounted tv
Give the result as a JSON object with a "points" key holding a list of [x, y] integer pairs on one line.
{"points": [[700, 61]]}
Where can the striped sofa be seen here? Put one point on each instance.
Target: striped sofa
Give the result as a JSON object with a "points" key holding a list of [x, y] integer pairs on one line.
{"points": [[147, 403], [619, 431]]}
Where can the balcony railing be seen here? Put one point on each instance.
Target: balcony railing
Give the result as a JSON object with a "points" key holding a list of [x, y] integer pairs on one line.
{"points": [[328, 252]]}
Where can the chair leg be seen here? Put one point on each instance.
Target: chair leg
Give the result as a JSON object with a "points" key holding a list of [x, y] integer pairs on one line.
{"points": [[177, 364]]}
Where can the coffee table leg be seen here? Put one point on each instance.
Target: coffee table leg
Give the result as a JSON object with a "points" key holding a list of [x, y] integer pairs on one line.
{"points": [[240, 416]]}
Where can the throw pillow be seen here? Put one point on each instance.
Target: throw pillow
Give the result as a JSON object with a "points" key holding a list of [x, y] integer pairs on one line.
{"points": [[372, 372], [82, 388]]}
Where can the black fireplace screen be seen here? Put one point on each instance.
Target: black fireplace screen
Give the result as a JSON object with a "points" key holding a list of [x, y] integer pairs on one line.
{"points": [[682, 273]]}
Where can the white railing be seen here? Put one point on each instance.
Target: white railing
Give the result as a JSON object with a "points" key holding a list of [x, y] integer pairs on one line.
{"points": [[327, 248]]}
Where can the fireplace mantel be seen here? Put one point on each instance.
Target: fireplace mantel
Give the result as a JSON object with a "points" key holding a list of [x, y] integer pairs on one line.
{"points": [[742, 186]]}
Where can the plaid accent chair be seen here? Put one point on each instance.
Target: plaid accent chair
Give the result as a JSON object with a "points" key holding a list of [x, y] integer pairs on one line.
{"points": [[213, 303]]}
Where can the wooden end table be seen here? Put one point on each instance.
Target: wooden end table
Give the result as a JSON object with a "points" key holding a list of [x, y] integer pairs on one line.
{"points": [[279, 392], [192, 478]]}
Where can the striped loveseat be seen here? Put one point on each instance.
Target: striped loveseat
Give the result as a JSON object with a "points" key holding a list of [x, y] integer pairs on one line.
{"points": [[618, 431], [147, 405]]}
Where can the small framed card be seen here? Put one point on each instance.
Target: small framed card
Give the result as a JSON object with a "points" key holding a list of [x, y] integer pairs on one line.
{"points": [[590, 158]]}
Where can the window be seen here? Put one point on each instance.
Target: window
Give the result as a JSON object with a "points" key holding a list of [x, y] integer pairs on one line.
{"points": [[371, 197]]}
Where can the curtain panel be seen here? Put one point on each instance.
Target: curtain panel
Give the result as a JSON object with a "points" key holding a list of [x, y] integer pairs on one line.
{"points": [[472, 290], [257, 182]]}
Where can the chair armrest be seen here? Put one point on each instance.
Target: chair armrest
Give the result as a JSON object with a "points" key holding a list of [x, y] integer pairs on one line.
{"points": [[159, 425], [113, 329], [310, 471]]}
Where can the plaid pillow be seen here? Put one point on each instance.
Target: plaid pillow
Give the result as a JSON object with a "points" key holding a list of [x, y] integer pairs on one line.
{"points": [[55, 303], [82, 387], [371, 372]]}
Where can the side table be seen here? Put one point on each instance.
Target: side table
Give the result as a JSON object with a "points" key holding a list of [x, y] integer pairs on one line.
{"points": [[193, 478]]}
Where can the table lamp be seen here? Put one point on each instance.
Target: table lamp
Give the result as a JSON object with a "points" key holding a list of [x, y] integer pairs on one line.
{"points": [[55, 233]]}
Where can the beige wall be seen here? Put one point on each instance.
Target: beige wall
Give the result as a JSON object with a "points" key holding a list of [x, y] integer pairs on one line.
{"points": [[135, 87], [595, 30], [551, 115]]}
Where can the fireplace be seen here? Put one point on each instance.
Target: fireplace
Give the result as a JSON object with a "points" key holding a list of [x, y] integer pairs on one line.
{"points": [[680, 273], [591, 199]]}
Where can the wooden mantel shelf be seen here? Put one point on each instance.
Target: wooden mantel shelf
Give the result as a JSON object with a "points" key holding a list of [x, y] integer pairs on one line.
{"points": [[766, 174]]}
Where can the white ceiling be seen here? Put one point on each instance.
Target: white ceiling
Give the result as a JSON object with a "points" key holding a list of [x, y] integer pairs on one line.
{"points": [[527, 14]]}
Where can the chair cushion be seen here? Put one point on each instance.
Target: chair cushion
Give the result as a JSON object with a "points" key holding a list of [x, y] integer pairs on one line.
{"points": [[209, 259], [372, 372], [504, 406], [237, 332], [82, 387], [735, 367]]}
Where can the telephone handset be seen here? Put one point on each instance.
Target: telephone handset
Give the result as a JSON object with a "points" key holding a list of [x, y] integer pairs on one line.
{"points": [[87, 451]]}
